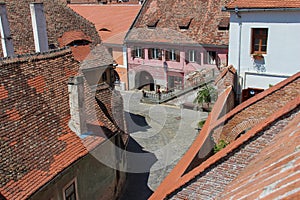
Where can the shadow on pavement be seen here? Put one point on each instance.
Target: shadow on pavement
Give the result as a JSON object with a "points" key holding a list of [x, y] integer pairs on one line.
{"points": [[136, 187], [135, 123]]}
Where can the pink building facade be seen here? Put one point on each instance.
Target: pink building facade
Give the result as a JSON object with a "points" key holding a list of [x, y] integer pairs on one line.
{"points": [[168, 66]]}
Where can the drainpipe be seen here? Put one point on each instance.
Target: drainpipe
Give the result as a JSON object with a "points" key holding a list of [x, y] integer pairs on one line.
{"points": [[239, 56]]}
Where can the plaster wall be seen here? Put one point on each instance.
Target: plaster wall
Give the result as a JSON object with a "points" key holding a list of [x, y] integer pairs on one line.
{"points": [[282, 57]]}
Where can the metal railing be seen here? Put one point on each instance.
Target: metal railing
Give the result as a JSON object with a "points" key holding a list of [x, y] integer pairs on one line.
{"points": [[192, 84]]}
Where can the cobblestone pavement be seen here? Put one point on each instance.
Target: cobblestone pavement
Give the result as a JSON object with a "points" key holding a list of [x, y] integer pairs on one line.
{"points": [[165, 131]]}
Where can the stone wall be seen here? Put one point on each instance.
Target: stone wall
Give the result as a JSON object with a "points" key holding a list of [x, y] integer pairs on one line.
{"points": [[59, 19]]}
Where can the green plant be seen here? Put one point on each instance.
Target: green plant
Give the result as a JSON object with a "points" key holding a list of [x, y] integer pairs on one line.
{"points": [[205, 95], [201, 123], [221, 145]]}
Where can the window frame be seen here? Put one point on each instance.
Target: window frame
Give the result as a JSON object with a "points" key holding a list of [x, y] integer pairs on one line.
{"points": [[155, 53], [211, 57], [172, 55], [192, 53], [72, 182], [138, 52], [260, 36]]}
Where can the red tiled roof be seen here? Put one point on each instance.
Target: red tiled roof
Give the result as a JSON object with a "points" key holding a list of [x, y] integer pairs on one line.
{"points": [[72, 36], [199, 181], [264, 4], [196, 20], [175, 175], [115, 18], [36, 142], [275, 170]]}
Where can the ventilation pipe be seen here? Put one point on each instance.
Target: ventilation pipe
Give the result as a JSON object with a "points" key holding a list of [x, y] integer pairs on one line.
{"points": [[39, 27], [6, 39]]}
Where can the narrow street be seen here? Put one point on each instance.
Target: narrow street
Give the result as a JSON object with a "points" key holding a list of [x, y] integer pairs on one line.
{"points": [[160, 135]]}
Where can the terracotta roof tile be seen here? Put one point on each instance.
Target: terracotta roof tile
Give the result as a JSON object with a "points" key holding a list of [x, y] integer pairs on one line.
{"points": [[274, 170], [115, 18], [264, 4], [200, 20], [36, 142], [59, 18], [199, 182], [71, 36]]}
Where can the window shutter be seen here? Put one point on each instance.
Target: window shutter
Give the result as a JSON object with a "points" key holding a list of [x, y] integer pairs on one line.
{"points": [[143, 53], [150, 52], [198, 57], [205, 57], [133, 53], [167, 55], [177, 53]]}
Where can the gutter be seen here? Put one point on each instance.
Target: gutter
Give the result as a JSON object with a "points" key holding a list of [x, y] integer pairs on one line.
{"points": [[236, 9]]}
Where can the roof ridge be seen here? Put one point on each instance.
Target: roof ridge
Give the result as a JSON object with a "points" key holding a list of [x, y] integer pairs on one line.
{"points": [[198, 142], [234, 145], [256, 98]]}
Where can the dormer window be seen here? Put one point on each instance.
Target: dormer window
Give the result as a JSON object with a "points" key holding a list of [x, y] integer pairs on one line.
{"points": [[153, 23], [185, 23], [223, 24], [105, 29]]}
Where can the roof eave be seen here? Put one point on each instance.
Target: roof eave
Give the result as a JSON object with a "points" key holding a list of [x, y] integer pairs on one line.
{"points": [[237, 9]]}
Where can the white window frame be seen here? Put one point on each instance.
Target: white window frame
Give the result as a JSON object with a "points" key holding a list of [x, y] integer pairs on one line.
{"points": [[173, 54], [192, 55], [138, 52], [210, 59], [155, 54], [73, 181]]}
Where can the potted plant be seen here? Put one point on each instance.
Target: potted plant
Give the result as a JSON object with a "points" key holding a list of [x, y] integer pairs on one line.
{"points": [[257, 56], [205, 96]]}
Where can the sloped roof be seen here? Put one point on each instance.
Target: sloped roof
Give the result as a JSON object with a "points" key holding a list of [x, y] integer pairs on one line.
{"points": [[275, 176], [209, 179], [36, 142], [264, 4], [197, 20], [112, 21], [59, 19]]}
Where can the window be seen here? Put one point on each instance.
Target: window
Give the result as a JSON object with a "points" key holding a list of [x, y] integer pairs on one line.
{"points": [[137, 52], [259, 40], [211, 57], [192, 56], [154, 53], [70, 191], [173, 55]]}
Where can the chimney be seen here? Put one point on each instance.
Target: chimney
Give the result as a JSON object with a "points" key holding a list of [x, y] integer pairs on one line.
{"points": [[39, 27], [6, 40], [76, 101]]}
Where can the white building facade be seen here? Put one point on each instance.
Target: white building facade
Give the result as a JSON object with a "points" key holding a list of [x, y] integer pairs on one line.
{"points": [[264, 45]]}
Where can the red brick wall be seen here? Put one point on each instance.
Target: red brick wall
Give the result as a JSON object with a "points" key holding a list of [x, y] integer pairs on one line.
{"points": [[59, 17]]}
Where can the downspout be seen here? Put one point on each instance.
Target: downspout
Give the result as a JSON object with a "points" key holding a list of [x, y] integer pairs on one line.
{"points": [[125, 45], [239, 57]]}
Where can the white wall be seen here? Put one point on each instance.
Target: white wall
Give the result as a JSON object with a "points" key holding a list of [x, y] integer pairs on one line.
{"points": [[283, 50]]}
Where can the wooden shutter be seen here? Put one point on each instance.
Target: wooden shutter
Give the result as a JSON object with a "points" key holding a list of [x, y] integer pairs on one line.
{"points": [[167, 55], [133, 53], [150, 52], [177, 53], [143, 53], [159, 54]]}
